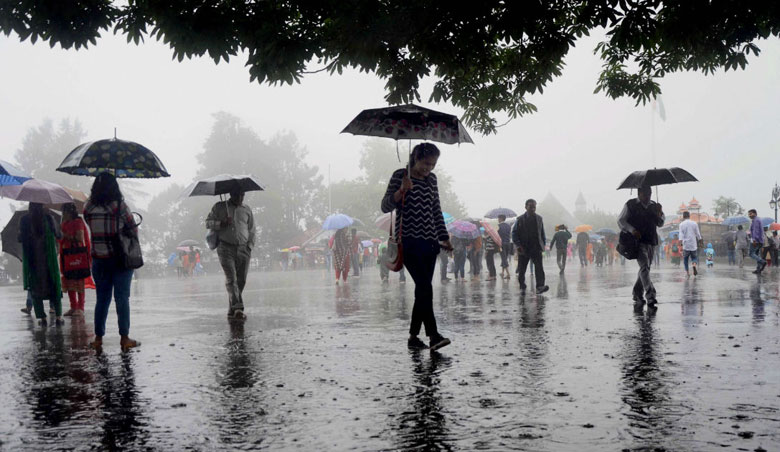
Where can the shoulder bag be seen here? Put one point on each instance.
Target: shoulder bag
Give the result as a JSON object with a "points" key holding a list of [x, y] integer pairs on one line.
{"points": [[128, 248], [395, 249]]}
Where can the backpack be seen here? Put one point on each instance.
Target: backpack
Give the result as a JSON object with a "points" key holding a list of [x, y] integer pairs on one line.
{"points": [[675, 248]]}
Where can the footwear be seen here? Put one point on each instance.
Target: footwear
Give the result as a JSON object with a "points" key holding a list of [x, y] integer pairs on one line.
{"points": [[43, 322], [69, 313], [26, 310], [695, 272], [414, 342], [127, 344], [438, 342], [541, 290], [651, 303], [639, 299], [337, 282], [59, 321], [239, 315]]}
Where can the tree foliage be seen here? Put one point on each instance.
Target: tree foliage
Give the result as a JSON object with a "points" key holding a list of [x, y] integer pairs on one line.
{"points": [[726, 207], [485, 57]]}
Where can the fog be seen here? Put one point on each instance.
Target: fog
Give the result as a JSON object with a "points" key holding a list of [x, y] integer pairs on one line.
{"points": [[722, 127]]}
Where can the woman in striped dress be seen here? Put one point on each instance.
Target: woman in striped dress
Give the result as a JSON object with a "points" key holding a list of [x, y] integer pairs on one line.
{"points": [[341, 251], [415, 197]]}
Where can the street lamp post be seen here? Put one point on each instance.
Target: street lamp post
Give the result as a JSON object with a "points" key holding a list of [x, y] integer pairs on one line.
{"points": [[774, 203]]}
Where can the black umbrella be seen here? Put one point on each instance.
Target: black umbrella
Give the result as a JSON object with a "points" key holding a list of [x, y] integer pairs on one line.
{"points": [[657, 176], [223, 184], [10, 234], [118, 157], [409, 122]]}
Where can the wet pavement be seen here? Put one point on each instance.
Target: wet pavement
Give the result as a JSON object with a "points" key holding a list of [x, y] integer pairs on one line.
{"points": [[320, 367]]}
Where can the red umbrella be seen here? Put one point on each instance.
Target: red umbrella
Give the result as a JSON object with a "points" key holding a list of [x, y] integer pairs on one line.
{"points": [[491, 232], [774, 227]]}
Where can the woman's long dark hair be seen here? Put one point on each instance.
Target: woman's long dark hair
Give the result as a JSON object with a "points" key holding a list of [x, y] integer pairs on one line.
{"points": [[37, 217], [105, 190]]}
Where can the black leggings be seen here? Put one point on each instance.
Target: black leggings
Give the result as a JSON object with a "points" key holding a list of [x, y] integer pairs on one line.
{"points": [[420, 260]]}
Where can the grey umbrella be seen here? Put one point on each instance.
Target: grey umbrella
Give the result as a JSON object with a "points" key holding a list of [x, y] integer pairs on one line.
{"points": [[222, 184], [10, 234]]}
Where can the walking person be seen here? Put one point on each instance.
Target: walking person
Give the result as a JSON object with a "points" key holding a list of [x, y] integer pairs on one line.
{"points": [[38, 234], [504, 233], [414, 195], [443, 261], [641, 217], [475, 258], [690, 236], [234, 224], [757, 241], [528, 236], [75, 256], [561, 241], [341, 254], [354, 254], [769, 245], [741, 245], [491, 247], [107, 216], [460, 254], [583, 239], [775, 247], [731, 250]]}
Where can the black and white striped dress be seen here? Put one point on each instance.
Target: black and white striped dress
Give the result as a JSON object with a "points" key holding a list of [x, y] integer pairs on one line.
{"points": [[422, 218]]}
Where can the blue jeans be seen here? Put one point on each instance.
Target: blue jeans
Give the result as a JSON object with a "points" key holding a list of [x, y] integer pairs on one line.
{"points": [[108, 278], [754, 250], [694, 255]]}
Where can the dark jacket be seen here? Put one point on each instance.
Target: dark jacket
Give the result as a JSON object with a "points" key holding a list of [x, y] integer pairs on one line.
{"points": [[560, 239], [582, 240], [521, 232], [644, 220]]}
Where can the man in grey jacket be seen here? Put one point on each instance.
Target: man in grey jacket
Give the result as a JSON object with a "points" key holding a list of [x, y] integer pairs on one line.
{"points": [[234, 223], [528, 236], [741, 245]]}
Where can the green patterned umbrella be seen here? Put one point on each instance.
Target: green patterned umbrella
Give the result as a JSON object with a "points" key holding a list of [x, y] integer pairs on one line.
{"points": [[118, 157]]}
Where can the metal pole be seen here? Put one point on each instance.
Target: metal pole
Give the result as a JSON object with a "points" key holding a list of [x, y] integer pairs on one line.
{"points": [[330, 202]]}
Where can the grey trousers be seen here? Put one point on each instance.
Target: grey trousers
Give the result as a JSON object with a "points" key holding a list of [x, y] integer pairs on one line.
{"points": [[643, 283], [235, 263]]}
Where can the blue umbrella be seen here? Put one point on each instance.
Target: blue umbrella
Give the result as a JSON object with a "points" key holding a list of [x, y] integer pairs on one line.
{"points": [[733, 221], [766, 221], [596, 237], [500, 211], [674, 234], [11, 175], [447, 218], [337, 221], [606, 231]]}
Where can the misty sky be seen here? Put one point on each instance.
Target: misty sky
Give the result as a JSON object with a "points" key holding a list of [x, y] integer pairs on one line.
{"points": [[722, 128]]}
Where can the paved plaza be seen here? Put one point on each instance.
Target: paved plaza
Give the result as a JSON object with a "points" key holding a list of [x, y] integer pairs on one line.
{"points": [[321, 367]]}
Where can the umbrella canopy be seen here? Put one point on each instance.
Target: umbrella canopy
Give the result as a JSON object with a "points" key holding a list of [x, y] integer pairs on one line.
{"points": [[463, 229], [494, 213], [606, 231], [729, 236], [595, 237], [79, 199], [118, 157], [384, 221], [367, 243], [774, 227], [223, 184], [186, 249], [10, 233], [409, 122], [337, 221], [36, 190], [11, 175], [766, 221], [376, 240], [657, 176], [674, 234], [583, 228], [447, 218], [186, 243], [733, 221], [491, 232]]}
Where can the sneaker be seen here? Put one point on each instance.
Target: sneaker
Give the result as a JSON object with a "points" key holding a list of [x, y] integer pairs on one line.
{"points": [[541, 290], [415, 343], [26, 310], [438, 342]]}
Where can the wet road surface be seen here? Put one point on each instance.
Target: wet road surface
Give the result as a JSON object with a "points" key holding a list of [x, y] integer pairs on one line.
{"points": [[320, 367]]}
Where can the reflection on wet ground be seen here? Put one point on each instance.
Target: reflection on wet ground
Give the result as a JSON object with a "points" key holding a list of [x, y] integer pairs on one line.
{"points": [[320, 367]]}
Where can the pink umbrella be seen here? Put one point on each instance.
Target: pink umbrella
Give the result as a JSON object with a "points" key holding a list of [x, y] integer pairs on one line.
{"points": [[35, 190], [463, 229], [491, 232], [383, 222]]}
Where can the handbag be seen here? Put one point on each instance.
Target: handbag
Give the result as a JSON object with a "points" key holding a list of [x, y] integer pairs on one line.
{"points": [[628, 246], [395, 249], [128, 248], [75, 261]]}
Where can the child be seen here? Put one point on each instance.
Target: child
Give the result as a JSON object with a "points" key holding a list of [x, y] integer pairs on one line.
{"points": [[710, 253]]}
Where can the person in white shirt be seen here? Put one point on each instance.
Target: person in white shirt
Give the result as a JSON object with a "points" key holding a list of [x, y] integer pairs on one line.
{"points": [[690, 238]]}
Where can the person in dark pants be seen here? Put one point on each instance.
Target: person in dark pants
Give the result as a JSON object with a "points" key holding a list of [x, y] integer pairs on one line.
{"points": [[490, 252], [414, 194], [504, 232], [561, 241], [641, 217], [528, 236], [582, 248]]}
